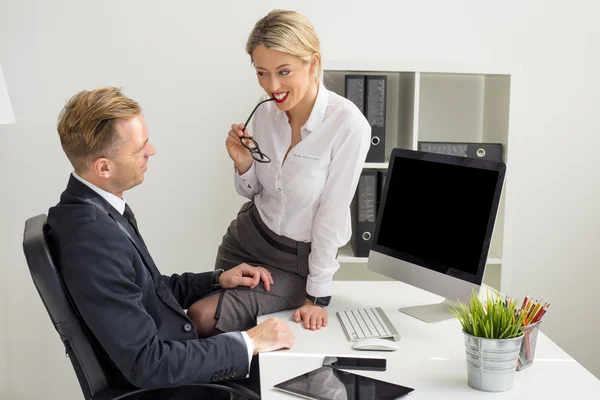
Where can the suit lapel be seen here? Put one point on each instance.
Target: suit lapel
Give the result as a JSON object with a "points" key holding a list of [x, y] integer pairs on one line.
{"points": [[83, 192], [161, 288]]}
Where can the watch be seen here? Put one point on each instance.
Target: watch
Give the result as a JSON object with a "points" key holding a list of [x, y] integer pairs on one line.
{"points": [[215, 278], [319, 301]]}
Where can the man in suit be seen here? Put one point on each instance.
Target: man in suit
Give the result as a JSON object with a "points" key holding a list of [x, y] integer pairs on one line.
{"points": [[135, 314]]}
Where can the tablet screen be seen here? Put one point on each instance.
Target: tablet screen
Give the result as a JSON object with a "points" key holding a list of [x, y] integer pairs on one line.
{"points": [[327, 383]]}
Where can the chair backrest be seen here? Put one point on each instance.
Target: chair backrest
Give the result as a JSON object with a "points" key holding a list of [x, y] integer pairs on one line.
{"points": [[71, 329]]}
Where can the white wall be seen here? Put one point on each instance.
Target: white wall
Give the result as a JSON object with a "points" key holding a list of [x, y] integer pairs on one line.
{"points": [[185, 63]]}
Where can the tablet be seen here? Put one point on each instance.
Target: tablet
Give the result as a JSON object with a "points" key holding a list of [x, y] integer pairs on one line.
{"points": [[326, 383]]}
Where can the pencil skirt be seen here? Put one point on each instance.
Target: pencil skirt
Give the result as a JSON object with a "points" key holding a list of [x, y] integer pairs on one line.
{"points": [[248, 240]]}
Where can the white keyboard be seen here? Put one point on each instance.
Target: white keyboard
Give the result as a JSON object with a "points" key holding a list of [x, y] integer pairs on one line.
{"points": [[366, 323]]}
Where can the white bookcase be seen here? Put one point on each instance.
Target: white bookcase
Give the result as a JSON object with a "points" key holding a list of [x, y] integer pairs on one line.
{"points": [[435, 103]]}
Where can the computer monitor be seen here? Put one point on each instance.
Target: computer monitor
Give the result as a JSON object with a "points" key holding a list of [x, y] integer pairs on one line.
{"points": [[434, 225]]}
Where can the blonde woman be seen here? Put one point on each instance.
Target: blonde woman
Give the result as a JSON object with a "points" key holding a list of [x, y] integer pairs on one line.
{"points": [[299, 165]]}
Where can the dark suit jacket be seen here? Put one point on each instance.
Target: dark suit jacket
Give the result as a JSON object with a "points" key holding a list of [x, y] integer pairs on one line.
{"points": [[134, 313]]}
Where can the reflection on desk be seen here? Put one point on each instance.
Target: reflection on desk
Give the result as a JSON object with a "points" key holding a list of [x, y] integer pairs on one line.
{"points": [[332, 384], [430, 357]]}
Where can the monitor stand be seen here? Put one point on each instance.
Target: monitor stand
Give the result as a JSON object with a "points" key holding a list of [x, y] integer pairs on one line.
{"points": [[430, 312]]}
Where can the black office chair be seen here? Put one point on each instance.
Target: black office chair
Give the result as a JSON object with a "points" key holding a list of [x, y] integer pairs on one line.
{"points": [[72, 331]]}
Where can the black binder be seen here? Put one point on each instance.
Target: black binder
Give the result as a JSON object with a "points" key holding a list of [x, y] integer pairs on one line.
{"points": [[381, 174], [375, 103], [486, 151], [363, 211], [355, 90]]}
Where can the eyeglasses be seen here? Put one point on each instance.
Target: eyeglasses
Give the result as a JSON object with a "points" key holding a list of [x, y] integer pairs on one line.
{"points": [[251, 144]]}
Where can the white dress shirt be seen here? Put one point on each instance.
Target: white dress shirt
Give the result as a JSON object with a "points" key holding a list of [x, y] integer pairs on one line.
{"points": [[119, 205], [307, 197]]}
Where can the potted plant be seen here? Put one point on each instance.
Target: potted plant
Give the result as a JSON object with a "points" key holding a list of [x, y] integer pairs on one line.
{"points": [[493, 332]]}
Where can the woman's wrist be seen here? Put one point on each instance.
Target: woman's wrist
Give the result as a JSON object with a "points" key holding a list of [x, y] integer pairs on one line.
{"points": [[242, 169], [322, 301]]}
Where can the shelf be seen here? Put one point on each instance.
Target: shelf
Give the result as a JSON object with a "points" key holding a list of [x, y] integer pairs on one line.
{"points": [[398, 66], [377, 165], [463, 108], [493, 259], [345, 256]]}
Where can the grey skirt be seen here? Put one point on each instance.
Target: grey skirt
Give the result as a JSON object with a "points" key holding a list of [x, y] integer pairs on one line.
{"points": [[248, 240]]}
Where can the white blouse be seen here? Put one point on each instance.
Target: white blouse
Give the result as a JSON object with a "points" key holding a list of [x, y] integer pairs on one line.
{"points": [[307, 197]]}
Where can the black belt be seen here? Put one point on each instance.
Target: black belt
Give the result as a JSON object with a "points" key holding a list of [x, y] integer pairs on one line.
{"points": [[269, 239]]}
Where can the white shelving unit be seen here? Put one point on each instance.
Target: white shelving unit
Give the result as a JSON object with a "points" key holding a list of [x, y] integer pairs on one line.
{"points": [[446, 103]]}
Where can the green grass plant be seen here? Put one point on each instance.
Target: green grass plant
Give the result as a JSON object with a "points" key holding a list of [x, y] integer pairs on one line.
{"points": [[494, 318]]}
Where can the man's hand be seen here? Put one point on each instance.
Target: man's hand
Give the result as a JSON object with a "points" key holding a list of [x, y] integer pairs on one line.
{"points": [[246, 275], [272, 334], [314, 317]]}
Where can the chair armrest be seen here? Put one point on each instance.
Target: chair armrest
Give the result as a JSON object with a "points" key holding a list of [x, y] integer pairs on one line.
{"points": [[239, 391], [117, 394], [242, 390]]}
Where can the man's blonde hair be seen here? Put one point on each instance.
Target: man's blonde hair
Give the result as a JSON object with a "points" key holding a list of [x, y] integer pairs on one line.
{"points": [[289, 32], [86, 125]]}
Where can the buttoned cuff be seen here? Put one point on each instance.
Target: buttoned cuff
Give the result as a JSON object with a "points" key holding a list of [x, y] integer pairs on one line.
{"points": [[319, 282], [248, 180], [318, 289], [250, 348]]}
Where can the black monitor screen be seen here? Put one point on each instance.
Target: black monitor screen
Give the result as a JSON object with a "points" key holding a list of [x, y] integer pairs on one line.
{"points": [[437, 215]]}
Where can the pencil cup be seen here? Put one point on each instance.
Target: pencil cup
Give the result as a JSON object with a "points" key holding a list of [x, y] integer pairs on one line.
{"points": [[527, 353]]}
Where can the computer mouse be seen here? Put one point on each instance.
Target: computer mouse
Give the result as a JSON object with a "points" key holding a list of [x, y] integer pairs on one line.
{"points": [[375, 344]]}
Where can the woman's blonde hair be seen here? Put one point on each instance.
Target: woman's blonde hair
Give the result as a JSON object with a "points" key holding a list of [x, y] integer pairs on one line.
{"points": [[289, 32]]}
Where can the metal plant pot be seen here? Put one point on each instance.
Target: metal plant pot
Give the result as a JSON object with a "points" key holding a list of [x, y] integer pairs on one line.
{"points": [[491, 363]]}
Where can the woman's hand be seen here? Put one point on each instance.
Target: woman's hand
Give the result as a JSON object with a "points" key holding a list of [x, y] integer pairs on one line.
{"points": [[241, 156], [314, 317]]}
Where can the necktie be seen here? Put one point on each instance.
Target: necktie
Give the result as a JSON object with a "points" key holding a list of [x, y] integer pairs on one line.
{"points": [[130, 217]]}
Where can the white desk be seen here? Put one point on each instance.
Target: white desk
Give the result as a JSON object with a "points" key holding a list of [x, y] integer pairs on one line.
{"points": [[430, 358]]}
